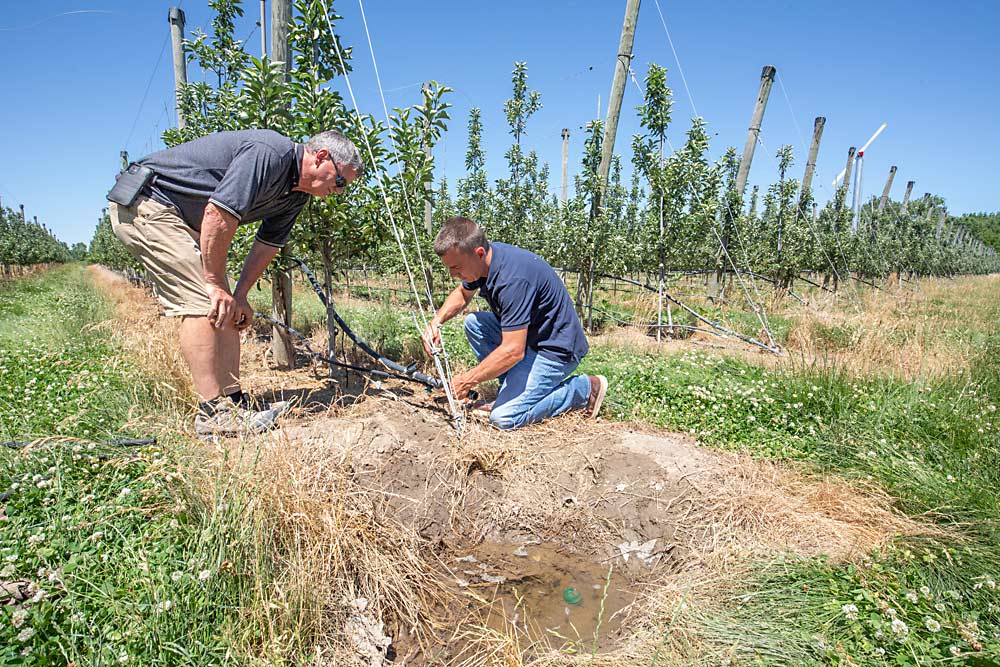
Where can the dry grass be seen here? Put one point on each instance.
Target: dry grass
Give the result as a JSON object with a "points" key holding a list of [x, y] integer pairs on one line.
{"points": [[149, 340], [924, 329], [765, 509]]}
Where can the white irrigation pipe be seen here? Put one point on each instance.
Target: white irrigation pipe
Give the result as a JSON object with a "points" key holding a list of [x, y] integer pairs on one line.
{"points": [[456, 412]]}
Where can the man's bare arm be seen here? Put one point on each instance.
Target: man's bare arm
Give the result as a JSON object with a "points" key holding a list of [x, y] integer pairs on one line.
{"points": [[499, 361], [217, 230], [258, 258], [454, 304]]}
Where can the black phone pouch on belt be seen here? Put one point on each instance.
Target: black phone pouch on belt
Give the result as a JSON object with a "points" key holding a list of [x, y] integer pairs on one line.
{"points": [[129, 184]]}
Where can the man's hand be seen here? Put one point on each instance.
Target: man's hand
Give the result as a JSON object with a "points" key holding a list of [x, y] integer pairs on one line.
{"points": [[243, 317], [225, 309], [462, 384], [431, 337]]}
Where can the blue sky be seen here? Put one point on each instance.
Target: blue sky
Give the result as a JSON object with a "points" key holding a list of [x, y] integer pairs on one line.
{"points": [[76, 84]]}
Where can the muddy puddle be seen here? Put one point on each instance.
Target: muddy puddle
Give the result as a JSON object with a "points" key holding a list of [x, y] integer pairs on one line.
{"points": [[544, 595]]}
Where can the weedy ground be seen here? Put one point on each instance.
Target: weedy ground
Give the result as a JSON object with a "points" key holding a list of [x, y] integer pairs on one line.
{"points": [[847, 515]]}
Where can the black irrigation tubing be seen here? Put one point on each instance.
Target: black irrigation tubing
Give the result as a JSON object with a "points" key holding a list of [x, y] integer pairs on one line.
{"points": [[865, 282], [117, 442], [813, 282], [652, 325], [409, 372], [373, 288], [698, 316], [342, 364]]}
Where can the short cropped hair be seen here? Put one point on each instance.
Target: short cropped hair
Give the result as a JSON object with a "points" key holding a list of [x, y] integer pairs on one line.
{"points": [[460, 233], [341, 149]]}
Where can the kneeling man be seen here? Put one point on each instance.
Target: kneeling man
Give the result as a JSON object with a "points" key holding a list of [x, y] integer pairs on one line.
{"points": [[531, 340]]}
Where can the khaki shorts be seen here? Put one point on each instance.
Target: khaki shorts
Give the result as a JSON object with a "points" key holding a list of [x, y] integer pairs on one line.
{"points": [[168, 248]]}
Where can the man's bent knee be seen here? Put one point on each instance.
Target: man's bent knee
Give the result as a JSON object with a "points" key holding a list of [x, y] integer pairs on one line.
{"points": [[471, 323], [507, 420], [503, 423]]}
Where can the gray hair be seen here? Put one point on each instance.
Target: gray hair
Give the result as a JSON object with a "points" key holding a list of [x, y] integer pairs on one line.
{"points": [[460, 233], [341, 149]]}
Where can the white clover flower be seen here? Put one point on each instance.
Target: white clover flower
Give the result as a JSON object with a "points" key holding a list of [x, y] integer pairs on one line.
{"points": [[912, 596], [931, 624], [176, 576], [850, 611], [124, 492], [37, 538], [8, 571], [925, 591], [955, 651], [18, 617], [26, 634], [879, 651], [990, 584], [204, 574], [899, 627], [950, 478], [891, 613]]}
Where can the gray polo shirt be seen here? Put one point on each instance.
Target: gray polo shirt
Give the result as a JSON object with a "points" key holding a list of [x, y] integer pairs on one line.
{"points": [[249, 173]]}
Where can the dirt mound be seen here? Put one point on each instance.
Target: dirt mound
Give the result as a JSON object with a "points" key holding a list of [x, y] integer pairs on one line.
{"points": [[507, 522], [588, 486]]}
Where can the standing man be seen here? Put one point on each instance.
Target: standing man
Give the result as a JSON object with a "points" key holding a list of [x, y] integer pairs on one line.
{"points": [[182, 222], [532, 339]]}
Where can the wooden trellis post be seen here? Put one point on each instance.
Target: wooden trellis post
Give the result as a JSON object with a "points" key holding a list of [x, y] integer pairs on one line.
{"points": [[281, 286], [176, 18], [717, 280]]}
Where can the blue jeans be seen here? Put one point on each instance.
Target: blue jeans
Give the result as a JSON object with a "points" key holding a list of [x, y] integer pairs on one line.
{"points": [[535, 387]]}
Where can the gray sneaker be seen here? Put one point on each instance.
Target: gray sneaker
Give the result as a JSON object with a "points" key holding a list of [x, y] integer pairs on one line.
{"points": [[231, 419], [256, 405]]}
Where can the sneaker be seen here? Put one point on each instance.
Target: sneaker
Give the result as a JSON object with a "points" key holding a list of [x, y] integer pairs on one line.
{"points": [[598, 388], [231, 419], [255, 405]]}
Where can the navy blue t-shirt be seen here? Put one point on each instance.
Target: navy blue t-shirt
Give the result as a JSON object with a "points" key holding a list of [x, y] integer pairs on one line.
{"points": [[523, 291]]}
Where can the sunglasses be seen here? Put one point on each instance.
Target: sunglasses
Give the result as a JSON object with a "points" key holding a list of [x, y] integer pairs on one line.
{"points": [[340, 181]]}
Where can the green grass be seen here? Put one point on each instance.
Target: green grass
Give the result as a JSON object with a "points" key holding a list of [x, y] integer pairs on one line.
{"points": [[125, 563], [382, 323], [934, 445]]}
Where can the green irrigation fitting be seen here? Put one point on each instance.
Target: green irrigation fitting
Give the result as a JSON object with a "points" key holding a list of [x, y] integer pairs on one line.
{"points": [[572, 596]]}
